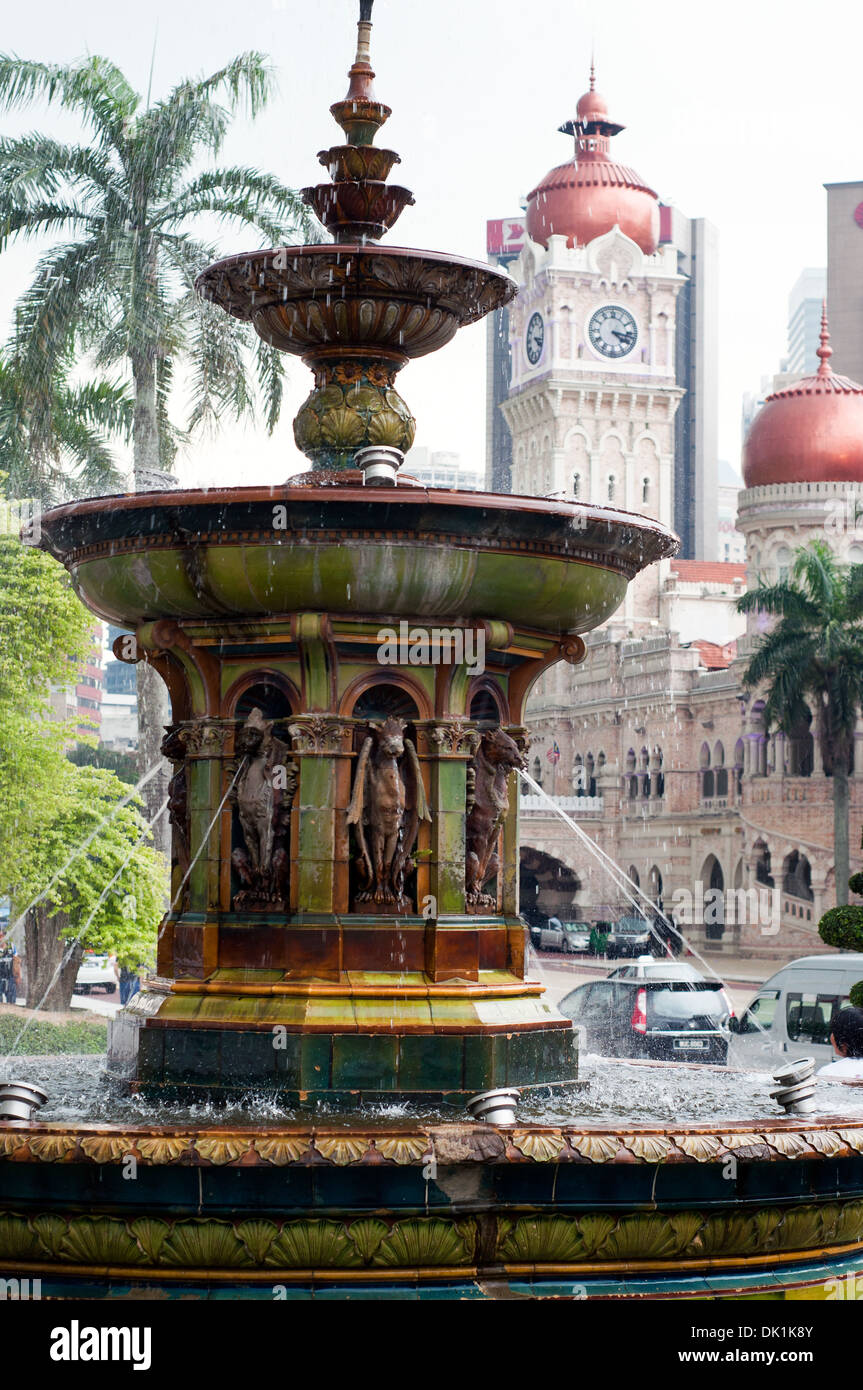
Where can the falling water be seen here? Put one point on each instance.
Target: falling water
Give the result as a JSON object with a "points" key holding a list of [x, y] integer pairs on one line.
{"points": [[205, 838], [85, 844], [622, 880]]}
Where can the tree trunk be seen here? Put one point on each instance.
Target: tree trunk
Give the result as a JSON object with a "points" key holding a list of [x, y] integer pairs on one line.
{"points": [[146, 453], [154, 710], [51, 974], [840, 827]]}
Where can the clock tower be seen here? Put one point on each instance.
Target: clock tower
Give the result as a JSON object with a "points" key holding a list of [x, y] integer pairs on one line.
{"points": [[593, 388]]}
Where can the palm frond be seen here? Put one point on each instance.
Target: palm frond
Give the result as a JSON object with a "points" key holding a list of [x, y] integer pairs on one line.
{"points": [[246, 196], [171, 132], [94, 87]]}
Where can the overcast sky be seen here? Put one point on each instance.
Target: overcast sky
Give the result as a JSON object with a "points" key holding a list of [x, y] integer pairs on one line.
{"points": [[737, 112]]}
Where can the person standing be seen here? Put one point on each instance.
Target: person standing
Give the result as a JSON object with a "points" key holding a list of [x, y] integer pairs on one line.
{"points": [[9, 971], [130, 984]]}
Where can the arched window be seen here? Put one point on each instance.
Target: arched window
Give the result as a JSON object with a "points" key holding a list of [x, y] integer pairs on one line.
{"points": [[721, 769], [590, 780], [630, 760], [576, 484], [761, 861], [797, 877], [645, 489], [578, 775], [658, 781], [633, 875], [537, 770], [612, 486], [706, 771], [800, 747], [713, 881], [738, 766], [783, 564]]}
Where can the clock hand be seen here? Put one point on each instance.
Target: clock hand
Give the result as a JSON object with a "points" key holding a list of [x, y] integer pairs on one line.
{"points": [[624, 337]]}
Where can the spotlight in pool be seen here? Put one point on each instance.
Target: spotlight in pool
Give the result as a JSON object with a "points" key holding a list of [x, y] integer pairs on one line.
{"points": [[796, 1086], [495, 1107], [20, 1099], [380, 464]]}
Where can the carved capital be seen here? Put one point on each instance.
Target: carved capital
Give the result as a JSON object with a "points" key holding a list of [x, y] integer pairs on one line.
{"points": [[520, 736], [453, 737], [317, 734], [206, 738]]}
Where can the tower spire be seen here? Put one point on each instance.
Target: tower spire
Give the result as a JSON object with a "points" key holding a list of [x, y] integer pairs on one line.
{"points": [[825, 351]]}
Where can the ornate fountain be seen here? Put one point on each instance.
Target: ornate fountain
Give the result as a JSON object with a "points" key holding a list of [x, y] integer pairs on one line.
{"points": [[344, 921], [345, 845]]}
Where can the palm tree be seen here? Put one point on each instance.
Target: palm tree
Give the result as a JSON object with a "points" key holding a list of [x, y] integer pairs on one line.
{"points": [[813, 656], [119, 284], [55, 446]]}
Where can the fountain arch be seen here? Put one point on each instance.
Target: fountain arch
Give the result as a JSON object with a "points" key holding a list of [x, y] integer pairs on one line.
{"points": [[273, 693]]}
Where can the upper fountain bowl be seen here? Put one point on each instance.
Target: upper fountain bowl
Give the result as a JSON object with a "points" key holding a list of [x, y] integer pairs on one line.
{"points": [[322, 302]]}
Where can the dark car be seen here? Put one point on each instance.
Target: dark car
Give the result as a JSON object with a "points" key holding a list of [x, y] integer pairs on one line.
{"points": [[631, 936], [667, 1020]]}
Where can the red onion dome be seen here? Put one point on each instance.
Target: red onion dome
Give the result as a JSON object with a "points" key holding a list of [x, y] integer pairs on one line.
{"points": [[809, 432]]}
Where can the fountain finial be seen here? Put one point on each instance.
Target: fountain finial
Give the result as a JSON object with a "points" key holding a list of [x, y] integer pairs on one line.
{"points": [[359, 204], [361, 115]]}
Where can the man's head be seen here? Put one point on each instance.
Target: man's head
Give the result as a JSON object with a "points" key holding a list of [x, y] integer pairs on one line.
{"points": [[847, 1032]]}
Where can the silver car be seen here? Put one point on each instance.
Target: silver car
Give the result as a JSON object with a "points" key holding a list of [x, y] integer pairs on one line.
{"points": [[570, 937]]}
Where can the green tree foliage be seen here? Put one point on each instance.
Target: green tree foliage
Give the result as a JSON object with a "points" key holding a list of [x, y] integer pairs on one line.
{"points": [[118, 280], [86, 755], [54, 438], [812, 659], [77, 829]]}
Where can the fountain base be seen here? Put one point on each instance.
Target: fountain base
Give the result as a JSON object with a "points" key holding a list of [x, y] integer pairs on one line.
{"points": [[362, 1034], [766, 1209]]}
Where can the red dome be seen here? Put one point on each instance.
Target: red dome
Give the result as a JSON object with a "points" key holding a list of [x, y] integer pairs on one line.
{"points": [[592, 106], [583, 201], [810, 432], [591, 194]]}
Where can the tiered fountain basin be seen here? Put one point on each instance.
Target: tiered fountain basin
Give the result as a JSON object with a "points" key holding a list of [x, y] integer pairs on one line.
{"points": [[756, 1209], [356, 313], [275, 599]]}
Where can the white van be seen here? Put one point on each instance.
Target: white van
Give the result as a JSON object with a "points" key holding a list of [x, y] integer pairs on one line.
{"points": [[793, 1011]]}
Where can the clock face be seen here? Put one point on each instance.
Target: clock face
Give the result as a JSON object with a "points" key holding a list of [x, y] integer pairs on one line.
{"points": [[612, 331], [534, 338]]}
